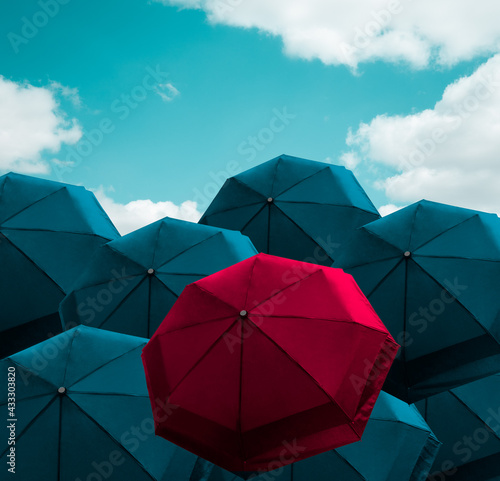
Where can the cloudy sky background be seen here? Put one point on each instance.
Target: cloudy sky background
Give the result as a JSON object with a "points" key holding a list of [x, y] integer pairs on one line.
{"points": [[153, 104]]}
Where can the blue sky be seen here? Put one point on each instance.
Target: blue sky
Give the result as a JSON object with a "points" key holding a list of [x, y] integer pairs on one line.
{"points": [[217, 85]]}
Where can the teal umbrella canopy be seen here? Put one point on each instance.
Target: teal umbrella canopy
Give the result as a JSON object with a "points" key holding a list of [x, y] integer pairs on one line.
{"points": [[48, 231], [432, 273], [294, 208], [132, 282], [83, 413], [397, 445], [467, 421]]}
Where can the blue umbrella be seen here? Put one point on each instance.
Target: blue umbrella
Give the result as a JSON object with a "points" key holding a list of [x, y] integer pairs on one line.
{"points": [[397, 445], [48, 231], [132, 282], [432, 273], [295, 208], [467, 421], [82, 412]]}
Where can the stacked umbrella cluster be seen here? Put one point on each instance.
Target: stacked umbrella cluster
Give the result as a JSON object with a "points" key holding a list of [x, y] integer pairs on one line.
{"points": [[264, 362]]}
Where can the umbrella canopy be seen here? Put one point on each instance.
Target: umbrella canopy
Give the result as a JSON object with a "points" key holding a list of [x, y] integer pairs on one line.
{"points": [[268, 356], [432, 273], [133, 281], [293, 208], [48, 231], [82, 412], [467, 421], [397, 445]]}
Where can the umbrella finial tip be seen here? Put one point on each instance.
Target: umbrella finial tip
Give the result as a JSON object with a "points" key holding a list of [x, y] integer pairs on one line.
{"points": [[243, 313], [61, 390], [270, 199], [151, 271], [407, 254]]}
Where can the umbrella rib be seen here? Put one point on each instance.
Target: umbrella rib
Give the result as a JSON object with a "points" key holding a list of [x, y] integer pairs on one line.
{"points": [[189, 248], [140, 346], [149, 305], [106, 319], [201, 358], [211, 294], [275, 173], [30, 260], [240, 434], [115, 441], [445, 231], [403, 351], [28, 398], [27, 229], [68, 356], [156, 244], [302, 180], [33, 420], [304, 232], [285, 288], [32, 372], [194, 325], [235, 208], [485, 330], [370, 262], [250, 281], [102, 393], [32, 204], [59, 439], [335, 452], [471, 411], [380, 282], [253, 217], [291, 358], [347, 206], [475, 259]]}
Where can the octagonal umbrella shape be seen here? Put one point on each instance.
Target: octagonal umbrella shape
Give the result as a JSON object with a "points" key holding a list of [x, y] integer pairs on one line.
{"points": [[132, 282], [467, 421], [294, 208], [266, 355], [397, 445], [82, 412], [48, 231], [432, 273]]}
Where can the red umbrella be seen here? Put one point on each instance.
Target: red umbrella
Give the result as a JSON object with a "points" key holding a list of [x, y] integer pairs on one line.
{"points": [[267, 362]]}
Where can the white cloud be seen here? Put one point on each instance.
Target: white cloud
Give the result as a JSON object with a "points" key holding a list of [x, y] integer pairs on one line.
{"points": [[70, 93], [138, 213], [31, 123], [388, 209], [167, 91], [450, 153], [345, 32]]}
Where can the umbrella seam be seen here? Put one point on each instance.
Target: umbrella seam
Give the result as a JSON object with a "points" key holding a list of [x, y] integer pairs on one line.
{"points": [[329, 204], [122, 301], [476, 320], [233, 208], [140, 346], [189, 248], [27, 229], [115, 441], [301, 180], [285, 288], [210, 293], [253, 217], [217, 340], [381, 281], [195, 325], [446, 230], [32, 372], [33, 420], [289, 356], [34, 203], [30, 260], [334, 451], [304, 232], [68, 355]]}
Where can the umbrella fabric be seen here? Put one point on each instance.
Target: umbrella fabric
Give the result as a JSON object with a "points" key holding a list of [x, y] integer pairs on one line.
{"points": [[432, 273], [48, 231], [266, 356], [83, 413], [467, 421], [397, 445], [294, 208], [133, 281]]}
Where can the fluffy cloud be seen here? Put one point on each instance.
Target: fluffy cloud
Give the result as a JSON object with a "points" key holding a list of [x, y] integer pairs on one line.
{"points": [[450, 153], [138, 213], [343, 32], [31, 123]]}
